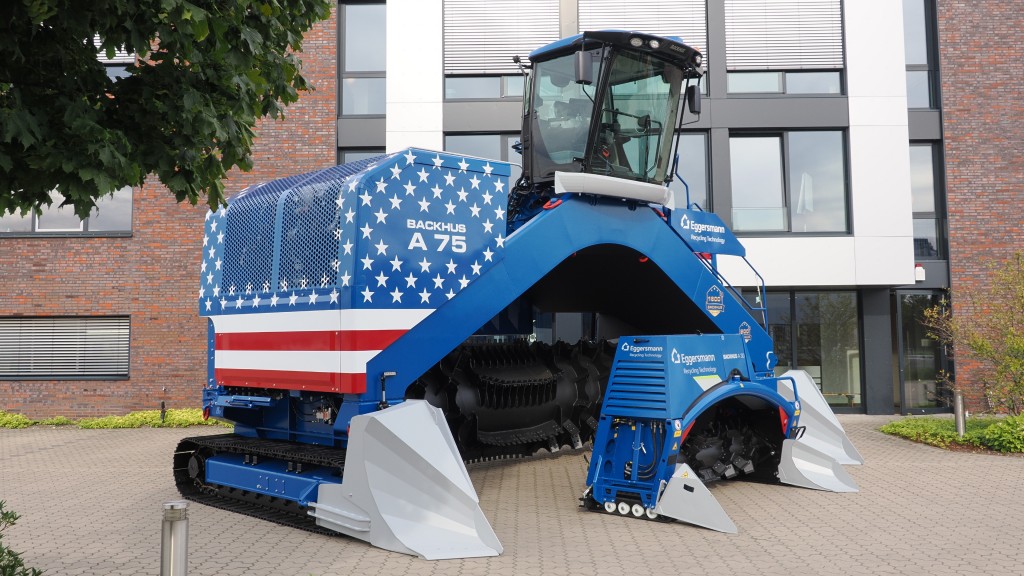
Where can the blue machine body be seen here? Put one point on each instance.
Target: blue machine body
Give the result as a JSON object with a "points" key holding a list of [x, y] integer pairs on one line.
{"points": [[658, 387], [414, 243], [372, 325]]}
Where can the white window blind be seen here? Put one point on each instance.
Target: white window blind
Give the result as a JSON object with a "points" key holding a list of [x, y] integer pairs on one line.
{"points": [[783, 34], [481, 37], [121, 56], [686, 19], [64, 348]]}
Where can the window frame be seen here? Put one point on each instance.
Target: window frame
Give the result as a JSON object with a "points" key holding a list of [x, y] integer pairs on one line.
{"points": [[371, 152], [504, 83], [83, 231], [932, 55], [124, 341], [784, 85], [789, 318], [676, 186], [787, 193], [344, 74], [938, 215]]}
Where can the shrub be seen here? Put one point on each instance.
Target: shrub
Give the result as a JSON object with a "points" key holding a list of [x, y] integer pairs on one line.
{"points": [[1000, 434], [1006, 435], [988, 329], [176, 418], [11, 563], [56, 421], [11, 420]]}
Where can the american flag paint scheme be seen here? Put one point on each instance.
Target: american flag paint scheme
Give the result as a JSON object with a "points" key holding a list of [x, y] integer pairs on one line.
{"points": [[307, 278]]}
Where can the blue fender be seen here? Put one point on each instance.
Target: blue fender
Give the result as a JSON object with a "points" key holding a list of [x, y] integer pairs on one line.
{"points": [[734, 388]]}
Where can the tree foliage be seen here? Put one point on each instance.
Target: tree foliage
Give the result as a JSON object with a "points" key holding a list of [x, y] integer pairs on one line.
{"points": [[992, 332], [206, 72]]}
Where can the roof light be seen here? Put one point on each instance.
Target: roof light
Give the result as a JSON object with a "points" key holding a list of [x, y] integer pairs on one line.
{"points": [[698, 59], [636, 42], [655, 44]]}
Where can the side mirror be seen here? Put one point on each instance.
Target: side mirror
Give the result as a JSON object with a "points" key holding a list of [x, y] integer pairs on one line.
{"points": [[693, 98], [584, 67]]}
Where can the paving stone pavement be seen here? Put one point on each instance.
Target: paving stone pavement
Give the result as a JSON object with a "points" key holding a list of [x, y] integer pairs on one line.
{"points": [[91, 500]]}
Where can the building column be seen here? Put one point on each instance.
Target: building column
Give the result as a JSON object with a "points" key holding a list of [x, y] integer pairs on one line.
{"points": [[415, 74], [876, 311]]}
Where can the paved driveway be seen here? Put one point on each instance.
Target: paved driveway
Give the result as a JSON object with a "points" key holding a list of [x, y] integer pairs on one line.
{"points": [[91, 500]]}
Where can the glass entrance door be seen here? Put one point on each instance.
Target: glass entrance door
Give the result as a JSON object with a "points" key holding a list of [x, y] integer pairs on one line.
{"points": [[921, 358]]}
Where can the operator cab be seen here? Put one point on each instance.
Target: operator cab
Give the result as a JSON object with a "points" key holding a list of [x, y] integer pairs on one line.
{"points": [[604, 103]]}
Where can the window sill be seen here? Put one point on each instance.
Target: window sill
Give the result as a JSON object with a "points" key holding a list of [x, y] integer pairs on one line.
{"points": [[40, 235]]}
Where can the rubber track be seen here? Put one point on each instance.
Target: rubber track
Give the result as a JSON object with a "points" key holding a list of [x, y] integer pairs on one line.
{"points": [[277, 510]]}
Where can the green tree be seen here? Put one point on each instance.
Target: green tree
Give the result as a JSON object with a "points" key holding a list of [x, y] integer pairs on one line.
{"points": [[206, 71], [990, 329]]}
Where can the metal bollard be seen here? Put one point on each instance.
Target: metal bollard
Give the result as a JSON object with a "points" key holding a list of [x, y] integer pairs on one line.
{"points": [[958, 414], [174, 539]]}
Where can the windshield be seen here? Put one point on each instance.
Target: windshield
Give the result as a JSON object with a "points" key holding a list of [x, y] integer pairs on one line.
{"points": [[638, 115], [560, 115]]}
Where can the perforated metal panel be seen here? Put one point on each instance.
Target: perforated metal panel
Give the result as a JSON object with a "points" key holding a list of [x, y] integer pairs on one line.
{"points": [[249, 238], [303, 210], [309, 223]]}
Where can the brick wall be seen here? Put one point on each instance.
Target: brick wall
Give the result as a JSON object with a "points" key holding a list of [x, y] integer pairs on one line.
{"points": [[153, 275], [982, 69]]}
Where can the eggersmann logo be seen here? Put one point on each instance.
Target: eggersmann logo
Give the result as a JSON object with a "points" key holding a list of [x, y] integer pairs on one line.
{"points": [[627, 347], [690, 359], [698, 227]]}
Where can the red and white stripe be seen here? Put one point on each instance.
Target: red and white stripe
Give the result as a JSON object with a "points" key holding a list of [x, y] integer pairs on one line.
{"points": [[315, 350]]}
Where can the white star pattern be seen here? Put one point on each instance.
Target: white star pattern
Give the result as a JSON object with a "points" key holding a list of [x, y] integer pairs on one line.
{"points": [[344, 209]]}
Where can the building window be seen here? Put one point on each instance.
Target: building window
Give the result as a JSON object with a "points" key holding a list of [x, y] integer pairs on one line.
{"points": [[346, 155], [362, 59], [64, 348], [919, 47], [496, 146], [828, 82], [818, 332], [926, 199], [789, 182], [693, 169], [112, 215], [483, 87]]}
